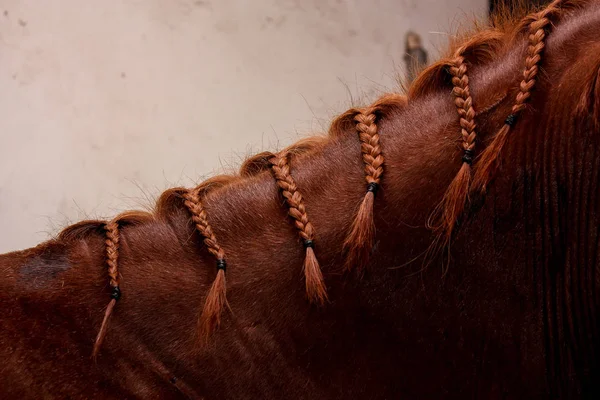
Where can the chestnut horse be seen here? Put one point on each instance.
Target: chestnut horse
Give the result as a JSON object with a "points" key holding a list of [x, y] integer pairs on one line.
{"points": [[496, 147]]}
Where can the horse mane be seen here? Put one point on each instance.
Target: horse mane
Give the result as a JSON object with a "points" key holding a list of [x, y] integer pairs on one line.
{"points": [[172, 199], [479, 46], [482, 44]]}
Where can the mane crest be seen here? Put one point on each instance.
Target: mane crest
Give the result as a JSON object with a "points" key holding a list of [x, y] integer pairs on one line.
{"points": [[483, 43], [479, 47], [256, 164], [81, 230], [169, 201], [450, 72], [172, 199]]}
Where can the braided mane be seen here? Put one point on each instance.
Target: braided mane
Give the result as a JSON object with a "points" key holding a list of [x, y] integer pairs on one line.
{"points": [[475, 173], [480, 46]]}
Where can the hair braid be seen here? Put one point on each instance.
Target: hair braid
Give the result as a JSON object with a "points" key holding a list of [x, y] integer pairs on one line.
{"points": [[112, 260], [315, 285], [456, 197], [359, 241], [488, 164], [216, 299]]}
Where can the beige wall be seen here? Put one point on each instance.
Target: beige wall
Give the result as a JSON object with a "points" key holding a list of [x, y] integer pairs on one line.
{"points": [[106, 102]]}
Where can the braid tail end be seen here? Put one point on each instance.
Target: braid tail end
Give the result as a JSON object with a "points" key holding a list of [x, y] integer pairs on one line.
{"points": [[489, 162], [315, 285], [216, 300], [359, 243], [454, 202], [103, 328]]}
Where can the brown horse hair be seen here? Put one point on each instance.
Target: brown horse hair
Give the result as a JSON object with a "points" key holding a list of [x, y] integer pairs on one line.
{"points": [[539, 23], [480, 48], [359, 242], [456, 197], [112, 260], [256, 164], [216, 298], [315, 284]]}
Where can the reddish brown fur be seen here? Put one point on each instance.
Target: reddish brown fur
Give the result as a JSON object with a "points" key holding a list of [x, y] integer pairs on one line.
{"points": [[516, 316]]}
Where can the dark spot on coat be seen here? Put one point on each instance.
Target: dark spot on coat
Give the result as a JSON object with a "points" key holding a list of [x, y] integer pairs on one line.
{"points": [[39, 271]]}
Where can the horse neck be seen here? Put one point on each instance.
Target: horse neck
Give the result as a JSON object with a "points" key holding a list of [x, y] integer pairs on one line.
{"points": [[167, 271]]}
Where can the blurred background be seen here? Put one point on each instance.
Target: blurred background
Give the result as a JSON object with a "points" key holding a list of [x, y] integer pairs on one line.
{"points": [[106, 103]]}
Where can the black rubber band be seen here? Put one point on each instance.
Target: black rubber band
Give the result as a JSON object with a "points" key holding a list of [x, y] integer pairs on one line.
{"points": [[116, 293], [309, 243], [373, 188], [468, 157], [511, 119], [221, 265]]}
